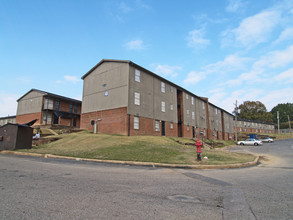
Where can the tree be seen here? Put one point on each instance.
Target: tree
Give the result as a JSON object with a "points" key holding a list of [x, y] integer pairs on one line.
{"points": [[255, 111], [284, 111]]}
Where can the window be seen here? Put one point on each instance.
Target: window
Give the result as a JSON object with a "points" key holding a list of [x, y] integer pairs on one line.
{"points": [[48, 103], [186, 96], [171, 89], [75, 108], [187, 127], [137, 75], [137, 98], [171, 107], [192, 100], [70, 108], [216, 110], [203, 105], [187, 111], [162, 87], [47, 118], [157, 125], [57, 104], [163, 106], [193, 115], [136, 123], [171, 125]]}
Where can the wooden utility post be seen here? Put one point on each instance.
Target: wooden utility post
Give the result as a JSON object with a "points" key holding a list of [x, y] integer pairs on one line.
{"points": [[236, 110], [289, 124], [278, 117]]}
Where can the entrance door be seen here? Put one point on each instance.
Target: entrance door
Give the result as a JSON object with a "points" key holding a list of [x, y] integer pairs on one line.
{"points": [[193, 132], [163, 128]]}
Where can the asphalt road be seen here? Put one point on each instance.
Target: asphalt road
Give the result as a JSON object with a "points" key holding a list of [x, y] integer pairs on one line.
{"points": [[38, 188]]}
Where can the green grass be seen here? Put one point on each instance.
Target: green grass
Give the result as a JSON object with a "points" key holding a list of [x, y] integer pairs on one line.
{"points": [[135, 148]]}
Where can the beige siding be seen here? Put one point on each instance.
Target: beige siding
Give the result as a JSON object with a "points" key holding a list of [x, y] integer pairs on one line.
{"points": [[151, 97], [31, 103], [106, 87]]}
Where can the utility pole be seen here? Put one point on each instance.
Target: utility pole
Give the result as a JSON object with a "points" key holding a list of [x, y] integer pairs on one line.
{"points": [[278, 117], [236, 110], [289, 124]]}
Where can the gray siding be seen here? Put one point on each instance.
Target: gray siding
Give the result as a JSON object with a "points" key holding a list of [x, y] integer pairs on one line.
{"points": [[188, 108], [31, 103], [215, 118], [109, 78], [151, 97], [200, 113], [229, 123]]}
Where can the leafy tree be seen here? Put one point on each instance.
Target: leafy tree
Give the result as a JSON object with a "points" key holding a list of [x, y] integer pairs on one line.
{"points": [[284, 111], [255, 111]]}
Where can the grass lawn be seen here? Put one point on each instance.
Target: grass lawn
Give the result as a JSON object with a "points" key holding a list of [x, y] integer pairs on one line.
{"points": [[134, 148]]}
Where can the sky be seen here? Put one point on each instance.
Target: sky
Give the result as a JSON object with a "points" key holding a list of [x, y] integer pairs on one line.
{"points": [[224, 50]]}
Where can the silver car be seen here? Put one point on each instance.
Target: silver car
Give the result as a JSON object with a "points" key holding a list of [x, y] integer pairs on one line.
{"points": [[267, 139], [250, 141]]}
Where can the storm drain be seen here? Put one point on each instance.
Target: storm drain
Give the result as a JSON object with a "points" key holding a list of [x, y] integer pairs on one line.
{"points": [[183, 198]]}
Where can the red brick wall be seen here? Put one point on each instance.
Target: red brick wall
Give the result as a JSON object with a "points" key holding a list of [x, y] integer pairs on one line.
{"points": [[147, 127], [113, 121], [22, 119], [187, 132], [65, 121]]}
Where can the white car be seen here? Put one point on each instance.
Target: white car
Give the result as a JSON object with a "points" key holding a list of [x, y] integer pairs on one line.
{"points": [[267, 139], [250, 141]]}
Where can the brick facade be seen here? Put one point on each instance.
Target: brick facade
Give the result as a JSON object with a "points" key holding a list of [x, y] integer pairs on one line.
{"points": [[22, 119]]}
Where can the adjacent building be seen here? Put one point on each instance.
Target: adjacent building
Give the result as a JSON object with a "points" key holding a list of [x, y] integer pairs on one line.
{"points": [[48, 108], [8, 119], [121, 97], [256, 127]]}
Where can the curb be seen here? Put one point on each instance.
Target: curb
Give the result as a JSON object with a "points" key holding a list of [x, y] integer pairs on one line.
{"points": [[149, 164]]}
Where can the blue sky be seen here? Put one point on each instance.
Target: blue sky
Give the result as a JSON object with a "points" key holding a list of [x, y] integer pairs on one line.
{"points": [[224, 50]]}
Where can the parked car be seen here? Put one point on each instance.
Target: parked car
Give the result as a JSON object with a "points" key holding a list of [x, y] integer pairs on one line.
{"points": [[267, 139], [250, 141]]}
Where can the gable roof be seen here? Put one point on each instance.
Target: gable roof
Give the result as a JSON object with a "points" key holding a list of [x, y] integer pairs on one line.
{"points": [[51, 95], [153, 74]]}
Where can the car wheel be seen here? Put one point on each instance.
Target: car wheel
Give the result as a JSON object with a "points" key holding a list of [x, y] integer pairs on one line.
{"points": [[255, 144], [270, 141], [242, 144]]}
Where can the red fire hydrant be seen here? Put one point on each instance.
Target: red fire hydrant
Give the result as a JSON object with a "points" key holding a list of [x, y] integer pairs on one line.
{"points": [[198, 145]]}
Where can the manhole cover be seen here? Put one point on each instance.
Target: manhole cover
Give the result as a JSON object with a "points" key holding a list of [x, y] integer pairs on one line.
{"points": [[183, 198]]}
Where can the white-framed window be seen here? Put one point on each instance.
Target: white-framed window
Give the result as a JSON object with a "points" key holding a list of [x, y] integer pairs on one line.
{"points": [[186, 96], [163, 87], [171, 107], [47, 118], [203, 105], [192, 100], [171, 89], [171, 125], [187, 111], [187, 127], [216, 110], [193, 115], [157, 125], [48, 103], [137, 75], [163, 106], [137, 98], [136, 123]]}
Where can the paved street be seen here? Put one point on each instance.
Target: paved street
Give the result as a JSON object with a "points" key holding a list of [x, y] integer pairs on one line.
{"points": [[38, 188]]}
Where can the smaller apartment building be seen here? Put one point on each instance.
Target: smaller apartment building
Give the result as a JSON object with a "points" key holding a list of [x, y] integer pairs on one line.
{"points": [[6, 120], [257, 127], [48, 108], [121, 97]]}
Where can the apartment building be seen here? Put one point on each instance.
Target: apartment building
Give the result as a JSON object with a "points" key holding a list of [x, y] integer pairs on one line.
{"points": [[121, 97], [6, 120], [48, 108], [257, 127]]}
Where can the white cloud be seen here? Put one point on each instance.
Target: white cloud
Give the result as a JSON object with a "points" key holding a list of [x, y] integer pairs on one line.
{"points": [[287, 34], [72, 79], [253, 30], [234, 5], [231, 63], [58, 81], [8, 104], [273, 98], [194, 77], [167, 70], [196, 39], [135, 45], [286, 76]]}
